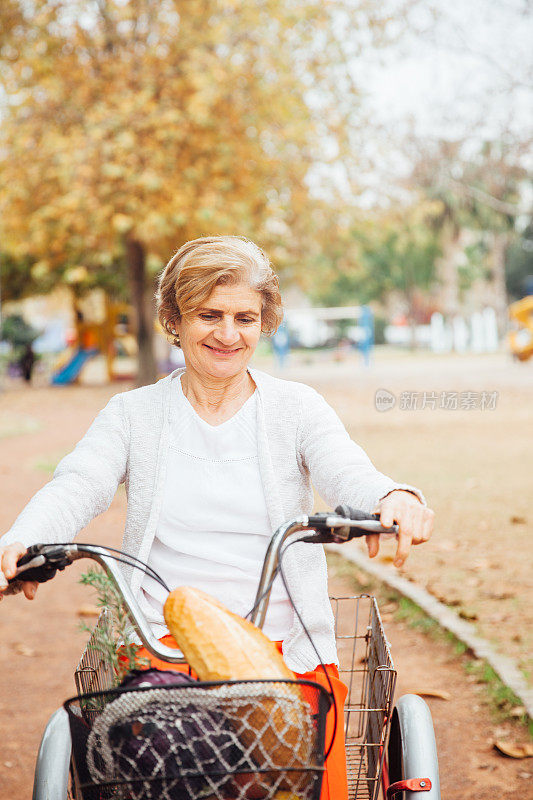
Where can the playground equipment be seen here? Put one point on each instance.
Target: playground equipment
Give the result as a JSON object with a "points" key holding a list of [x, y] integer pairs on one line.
{"points": [[112, 336], [71, 369], [312, 327], [521, 338]]}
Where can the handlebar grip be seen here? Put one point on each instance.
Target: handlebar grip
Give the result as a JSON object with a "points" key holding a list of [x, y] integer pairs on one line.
{"points": [[354, 513], [33, 566]]}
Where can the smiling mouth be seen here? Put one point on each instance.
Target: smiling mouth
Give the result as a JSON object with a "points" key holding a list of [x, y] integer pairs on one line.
{"points": [[220, 351]]}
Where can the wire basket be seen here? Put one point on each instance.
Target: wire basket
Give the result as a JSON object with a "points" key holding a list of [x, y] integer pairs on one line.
{"points": [[366, 667], [94, 672], [215, 741]]}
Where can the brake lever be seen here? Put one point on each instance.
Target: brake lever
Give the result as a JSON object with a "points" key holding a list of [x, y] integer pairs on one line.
{"points": [[321, 538]]}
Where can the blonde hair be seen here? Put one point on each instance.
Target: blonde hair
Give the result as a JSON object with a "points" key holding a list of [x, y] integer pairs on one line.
{"points": [[201, 264]]}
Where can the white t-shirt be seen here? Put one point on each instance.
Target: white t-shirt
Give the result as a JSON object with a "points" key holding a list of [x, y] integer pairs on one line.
{"points": [[213, 530]]}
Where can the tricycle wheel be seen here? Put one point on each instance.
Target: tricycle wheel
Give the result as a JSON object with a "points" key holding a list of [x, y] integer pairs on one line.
{"points": [[412, 752]]}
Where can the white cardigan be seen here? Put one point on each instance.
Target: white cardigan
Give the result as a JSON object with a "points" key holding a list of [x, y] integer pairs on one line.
{"points": [[300, 438]]}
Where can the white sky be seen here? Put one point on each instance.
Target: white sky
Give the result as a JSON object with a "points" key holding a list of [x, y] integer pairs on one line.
{"points": [[472, 68], [463, 70]]}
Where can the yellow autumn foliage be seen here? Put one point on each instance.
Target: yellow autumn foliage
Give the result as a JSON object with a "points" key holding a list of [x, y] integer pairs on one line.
{"points": [[144, 111], [134, 126]]}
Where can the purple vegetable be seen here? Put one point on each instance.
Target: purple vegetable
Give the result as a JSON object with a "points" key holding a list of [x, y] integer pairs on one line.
{"points": [[164, 747], [141, 678]]}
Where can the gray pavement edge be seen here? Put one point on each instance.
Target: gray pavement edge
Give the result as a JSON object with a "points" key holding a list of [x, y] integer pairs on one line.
{"points": [[504, 667]]}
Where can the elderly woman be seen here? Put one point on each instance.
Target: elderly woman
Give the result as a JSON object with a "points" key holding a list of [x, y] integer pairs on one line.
{"points": [[215, 457]]}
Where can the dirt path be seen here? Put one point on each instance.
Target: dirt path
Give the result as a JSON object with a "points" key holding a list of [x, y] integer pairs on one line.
{"points": [[483, 571], [465, 729], [474, 466], [40, 642]]}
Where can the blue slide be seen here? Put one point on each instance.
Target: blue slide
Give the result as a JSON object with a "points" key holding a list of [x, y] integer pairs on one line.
{"points": [[70, 371]]}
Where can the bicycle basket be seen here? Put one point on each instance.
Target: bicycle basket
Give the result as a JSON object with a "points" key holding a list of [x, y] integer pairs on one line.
{"points": [[216, 741], [367, 669]]}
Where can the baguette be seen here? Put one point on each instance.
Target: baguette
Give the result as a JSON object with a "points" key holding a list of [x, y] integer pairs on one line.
{"points": [[221, 646]]}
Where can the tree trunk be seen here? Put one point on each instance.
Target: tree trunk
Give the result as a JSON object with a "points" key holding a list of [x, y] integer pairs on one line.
{"points": [[411, 317], [499, 299], [144, 311], [448, 278]]}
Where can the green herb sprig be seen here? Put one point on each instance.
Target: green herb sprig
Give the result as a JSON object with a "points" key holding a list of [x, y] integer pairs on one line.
{"points": [[114, 641]]}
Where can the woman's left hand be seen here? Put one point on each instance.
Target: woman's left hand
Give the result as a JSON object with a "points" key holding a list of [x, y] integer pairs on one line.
{"points": [[415, 523]]}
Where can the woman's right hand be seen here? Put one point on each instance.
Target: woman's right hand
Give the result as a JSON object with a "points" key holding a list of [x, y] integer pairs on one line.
{"points": [[9, 555]]}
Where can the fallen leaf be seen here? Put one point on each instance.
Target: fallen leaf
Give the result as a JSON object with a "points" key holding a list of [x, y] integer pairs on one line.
{"points": [[88, 611], [441, 597], [441, 694], [513, 750], [465, 613], [500, 595], [23, 650]]}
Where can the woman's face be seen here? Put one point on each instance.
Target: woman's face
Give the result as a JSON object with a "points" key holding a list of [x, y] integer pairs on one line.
{"points": [[219, 338]]}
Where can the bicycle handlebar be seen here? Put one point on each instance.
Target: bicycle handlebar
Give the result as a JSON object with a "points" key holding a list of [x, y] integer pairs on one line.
{"points": [[342, 526], [42, 561]]}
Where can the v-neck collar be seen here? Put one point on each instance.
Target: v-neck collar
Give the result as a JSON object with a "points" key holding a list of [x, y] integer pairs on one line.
{"points": [[201, 420]]}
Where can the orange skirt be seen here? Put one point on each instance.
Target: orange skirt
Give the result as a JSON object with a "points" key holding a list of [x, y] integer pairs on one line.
{"points": [[335, 782]]}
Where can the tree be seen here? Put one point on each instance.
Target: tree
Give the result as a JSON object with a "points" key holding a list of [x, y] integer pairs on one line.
{"points": [[23, 277], [519, 267], [383, 255], [20, 335], [132, 126], [481, 190], [17, 332]]}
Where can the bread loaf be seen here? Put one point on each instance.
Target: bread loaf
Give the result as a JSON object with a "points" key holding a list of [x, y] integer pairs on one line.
{"points": [[221, 646]]}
